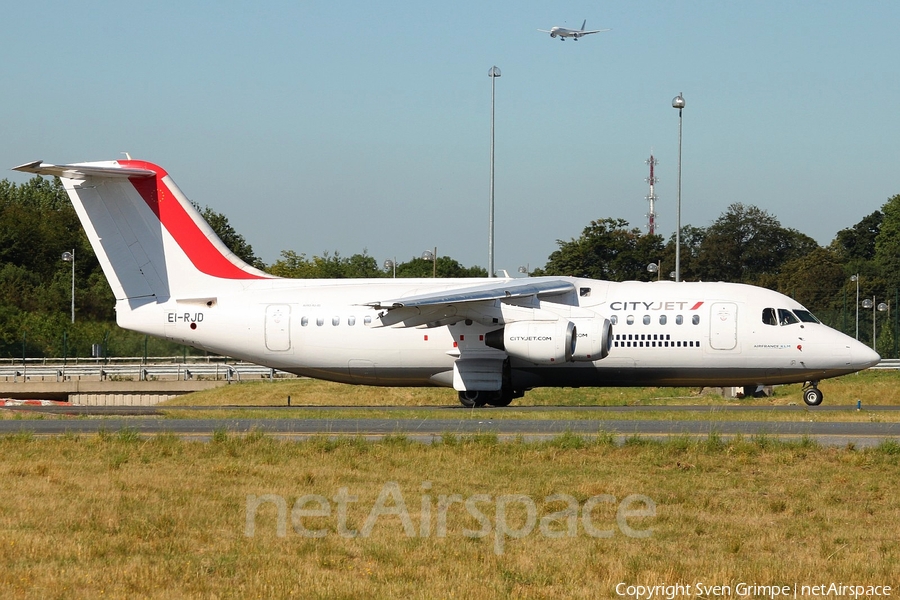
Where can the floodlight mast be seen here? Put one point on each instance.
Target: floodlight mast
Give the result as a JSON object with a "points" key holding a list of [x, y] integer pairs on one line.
{"points": [[494, 73], [678, 102]]}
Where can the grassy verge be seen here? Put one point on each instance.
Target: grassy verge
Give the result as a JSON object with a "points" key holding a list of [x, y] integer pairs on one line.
{"points": [[122, 516], [501, 414], [871, 387]]}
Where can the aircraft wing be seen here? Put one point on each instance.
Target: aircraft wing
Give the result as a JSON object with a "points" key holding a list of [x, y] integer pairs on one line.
{"points": [[448, 306], [545, 31], [594, 31], [503, 289]]}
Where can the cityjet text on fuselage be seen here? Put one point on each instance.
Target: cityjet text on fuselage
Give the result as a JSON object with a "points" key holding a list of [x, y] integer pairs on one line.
{"points": [[656, 305]]}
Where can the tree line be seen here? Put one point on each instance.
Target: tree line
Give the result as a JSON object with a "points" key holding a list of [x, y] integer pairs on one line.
{"points": [[745, 244]]}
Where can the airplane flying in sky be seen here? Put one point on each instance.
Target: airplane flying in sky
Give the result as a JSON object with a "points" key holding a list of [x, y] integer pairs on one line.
{"points": [[562, 33], [490, 339]]}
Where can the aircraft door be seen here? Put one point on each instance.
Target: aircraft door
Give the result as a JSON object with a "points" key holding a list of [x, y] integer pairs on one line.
{"points": [[723, 326], [278, 327]]}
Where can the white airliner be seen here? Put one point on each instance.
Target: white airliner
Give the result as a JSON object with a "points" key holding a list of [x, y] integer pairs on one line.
{"points": [[562, 33], [489, 339]]}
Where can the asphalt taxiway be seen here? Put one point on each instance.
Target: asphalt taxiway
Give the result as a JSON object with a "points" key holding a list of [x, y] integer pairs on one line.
{"points": [[431, 423]]}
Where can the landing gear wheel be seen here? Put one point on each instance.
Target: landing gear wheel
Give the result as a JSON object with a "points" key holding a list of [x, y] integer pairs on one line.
{"points": [[812, 395], [473, 399]]}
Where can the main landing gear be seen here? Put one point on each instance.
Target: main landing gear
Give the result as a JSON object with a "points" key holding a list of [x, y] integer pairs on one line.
{"points": [[476, 399], [811, 393]]}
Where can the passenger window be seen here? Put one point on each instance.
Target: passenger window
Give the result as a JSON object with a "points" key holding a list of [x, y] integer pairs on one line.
{"points": [[351, 321], [335, 321], [304, 321], [679, 319], [630, 319], [367, 320], [695, 319], [646, 319], [584, 292], [614, 320], [768, 316], [786, 317], [662, 319], [320, 321]]}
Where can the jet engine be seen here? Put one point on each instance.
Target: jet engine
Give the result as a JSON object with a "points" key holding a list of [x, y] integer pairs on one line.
{"points": [[593, 339], [540, 342]]}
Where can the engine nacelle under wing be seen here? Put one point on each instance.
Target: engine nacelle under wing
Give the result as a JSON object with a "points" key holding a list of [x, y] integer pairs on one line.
{"points": [[593, 339], [540, 342]]}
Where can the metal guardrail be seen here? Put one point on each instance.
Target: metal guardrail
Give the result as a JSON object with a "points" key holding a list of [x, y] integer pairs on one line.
{"points": [[46, 371], [888, 363], [120, 360]]}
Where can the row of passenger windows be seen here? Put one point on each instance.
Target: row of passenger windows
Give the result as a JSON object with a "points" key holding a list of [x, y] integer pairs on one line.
{"points": [[651, 340], [336, 320], [660, 344], [663, 319]]}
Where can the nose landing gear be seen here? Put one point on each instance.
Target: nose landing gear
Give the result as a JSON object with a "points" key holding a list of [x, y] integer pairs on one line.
{"points": [[811, 393]]}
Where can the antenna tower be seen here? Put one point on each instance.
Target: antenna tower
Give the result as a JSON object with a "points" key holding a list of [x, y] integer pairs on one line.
{"points": [[651, 197]]}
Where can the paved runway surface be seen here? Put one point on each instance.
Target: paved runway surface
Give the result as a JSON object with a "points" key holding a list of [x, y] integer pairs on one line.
{"points": [[436, 421]]}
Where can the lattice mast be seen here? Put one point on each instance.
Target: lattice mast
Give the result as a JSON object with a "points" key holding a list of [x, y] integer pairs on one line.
{"points": [[651, 197]]}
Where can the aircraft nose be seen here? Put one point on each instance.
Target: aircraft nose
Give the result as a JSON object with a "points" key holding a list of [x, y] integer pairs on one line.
{"points": [[863, 357]]}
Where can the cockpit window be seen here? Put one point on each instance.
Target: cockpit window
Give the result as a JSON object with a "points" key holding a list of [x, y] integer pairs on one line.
{"points": [[806, 316], [786, 317], [769, 317]]}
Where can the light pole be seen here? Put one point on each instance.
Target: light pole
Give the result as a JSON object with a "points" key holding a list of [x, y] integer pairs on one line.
{"points": [[494, 73], [881, 307], [70, 257], [391, 264], [678, 102], [655, 268], [432, 256], [855, 278]]}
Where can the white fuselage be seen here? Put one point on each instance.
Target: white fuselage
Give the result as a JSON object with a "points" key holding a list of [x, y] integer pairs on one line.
{"points": [[489, 339], [664, 333]]}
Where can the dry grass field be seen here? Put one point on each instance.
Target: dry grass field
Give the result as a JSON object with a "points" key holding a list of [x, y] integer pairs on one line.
{"points": [[121, 516], [118, 515]]}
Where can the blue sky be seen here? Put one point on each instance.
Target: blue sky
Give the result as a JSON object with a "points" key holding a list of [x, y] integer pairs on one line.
{"points": [[323, 126]]}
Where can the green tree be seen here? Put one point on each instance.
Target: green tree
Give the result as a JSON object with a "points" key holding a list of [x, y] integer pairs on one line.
{"points": [[691, 243], [858, 242], [887, 244], [606, 249], [816, 281], [444, 266], [327, 266], [885, 344], [230, 237], [747, 244]]}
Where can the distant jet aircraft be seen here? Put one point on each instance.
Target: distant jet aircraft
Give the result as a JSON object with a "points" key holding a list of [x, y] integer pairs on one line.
{"points": [[562, 33], [491, 340]]}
